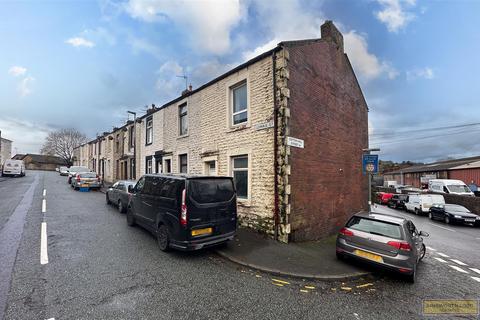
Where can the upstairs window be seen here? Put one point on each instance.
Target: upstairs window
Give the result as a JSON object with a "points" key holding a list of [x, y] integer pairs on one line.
{"points": [[183, 120], [149, 131], [239, 104]]}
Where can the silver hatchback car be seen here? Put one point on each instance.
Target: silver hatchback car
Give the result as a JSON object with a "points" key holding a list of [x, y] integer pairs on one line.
{"points": [[390, 241]]}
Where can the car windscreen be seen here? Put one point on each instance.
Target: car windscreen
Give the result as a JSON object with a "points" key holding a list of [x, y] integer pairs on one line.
{"points": [[377, 227], [211, 190], [88, 175], [458, 188]]}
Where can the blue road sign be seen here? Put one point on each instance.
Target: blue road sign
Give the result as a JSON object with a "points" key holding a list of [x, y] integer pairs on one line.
{"points": [[370, 163]]}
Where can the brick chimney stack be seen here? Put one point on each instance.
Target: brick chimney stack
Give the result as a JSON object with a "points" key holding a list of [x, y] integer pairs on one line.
{"points": [[330, 33]]}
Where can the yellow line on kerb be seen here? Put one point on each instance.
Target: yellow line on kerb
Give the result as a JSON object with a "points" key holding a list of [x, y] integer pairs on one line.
{"points": [[280, 281]]}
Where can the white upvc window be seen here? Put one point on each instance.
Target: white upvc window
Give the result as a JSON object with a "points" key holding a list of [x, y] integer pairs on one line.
{"points": [[183, 119], [239, 167], [239, 108], [149, 131]]}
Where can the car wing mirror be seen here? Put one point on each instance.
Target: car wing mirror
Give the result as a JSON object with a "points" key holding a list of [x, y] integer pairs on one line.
{"points": [[130, 189], [424, 234]]}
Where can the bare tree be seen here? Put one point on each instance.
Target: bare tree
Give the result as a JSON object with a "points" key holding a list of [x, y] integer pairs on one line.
{"points": [[62, 142]]}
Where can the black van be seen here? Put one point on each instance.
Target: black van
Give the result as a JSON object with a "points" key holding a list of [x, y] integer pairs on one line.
{"points": [[184, 212]]}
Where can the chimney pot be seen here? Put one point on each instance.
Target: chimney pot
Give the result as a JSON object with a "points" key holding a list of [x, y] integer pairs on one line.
{"points": [[190, 87], [330, 33]]}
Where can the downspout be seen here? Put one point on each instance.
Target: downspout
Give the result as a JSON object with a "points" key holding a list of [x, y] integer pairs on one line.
{"points": [[275, 147]]}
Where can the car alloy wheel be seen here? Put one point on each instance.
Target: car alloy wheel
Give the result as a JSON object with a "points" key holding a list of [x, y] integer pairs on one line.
{"points": [[163, 238], [120, 206], [130, 217], [107, 199], [422, 251], [430, 216], [447, 219], [412, 277]]}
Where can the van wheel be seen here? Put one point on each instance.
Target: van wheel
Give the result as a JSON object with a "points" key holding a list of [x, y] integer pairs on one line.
{"points": [[417, 212], [130, 217], [163, 239]]}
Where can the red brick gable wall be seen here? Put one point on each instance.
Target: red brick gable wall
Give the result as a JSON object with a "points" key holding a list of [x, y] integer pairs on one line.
{"points": [[329, 113]]}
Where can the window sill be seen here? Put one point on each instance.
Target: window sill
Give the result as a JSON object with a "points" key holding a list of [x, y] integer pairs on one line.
{"points": [[244, 203], [148, 144], [184, 136], [238, 127]]}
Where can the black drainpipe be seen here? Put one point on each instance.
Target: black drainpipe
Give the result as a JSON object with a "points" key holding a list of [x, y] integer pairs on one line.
{"points": [[275, 147]]}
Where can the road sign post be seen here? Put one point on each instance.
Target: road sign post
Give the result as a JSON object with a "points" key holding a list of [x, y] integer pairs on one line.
{"points": [[369, 167]]}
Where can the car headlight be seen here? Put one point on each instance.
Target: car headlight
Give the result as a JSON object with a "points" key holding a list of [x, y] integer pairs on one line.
{"points": [[478, 218], [457, 216]]}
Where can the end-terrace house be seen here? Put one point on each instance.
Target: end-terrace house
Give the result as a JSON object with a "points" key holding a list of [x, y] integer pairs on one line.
{"points": [[288, 125]]}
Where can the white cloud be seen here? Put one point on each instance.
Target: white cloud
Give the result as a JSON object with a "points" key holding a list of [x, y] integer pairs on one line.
{"points": [[168, 84], [206, 23], [100, 35], [365, 63], [394, 13], [425, 73], [24, 88], [249, 54], [142, 45], [17, 71], [80, 42], [27, 136]]}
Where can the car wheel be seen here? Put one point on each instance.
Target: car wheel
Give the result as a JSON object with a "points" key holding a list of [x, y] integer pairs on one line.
{"points": [[163, 239], [121, 208], [107, 199], [447, 220], [413, 276], [130, 217], [340, 256], [422, 252], [430, 216]]}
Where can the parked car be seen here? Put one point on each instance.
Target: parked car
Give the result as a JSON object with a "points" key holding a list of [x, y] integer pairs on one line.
{"points": [[63, 171], [118, 194], [397, 201], [453, 213], [72, 172], [383, 197], [421, 203], [86, 180], [389, 241], [184, 212], [450, 186], [14, 168]]}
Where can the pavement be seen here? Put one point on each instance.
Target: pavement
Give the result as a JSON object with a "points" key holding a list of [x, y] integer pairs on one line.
{"points": [[100, 268], [310, 260]]}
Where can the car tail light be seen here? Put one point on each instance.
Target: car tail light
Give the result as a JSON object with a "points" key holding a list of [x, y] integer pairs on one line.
{"points": [[346, 232], [404, 246], [98, 178], [183, 213], [78, 178]]}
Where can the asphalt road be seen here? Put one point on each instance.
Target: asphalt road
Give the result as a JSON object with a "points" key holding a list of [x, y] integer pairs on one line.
{"points": [[99, 268]]}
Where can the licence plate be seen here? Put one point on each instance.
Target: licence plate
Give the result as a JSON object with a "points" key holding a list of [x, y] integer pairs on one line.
{"points": [[368, 255], [469, 220], [199, 232], [84, 185]]}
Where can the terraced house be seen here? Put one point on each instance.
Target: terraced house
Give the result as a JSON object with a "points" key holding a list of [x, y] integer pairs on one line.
{"points": [[288, 125]]}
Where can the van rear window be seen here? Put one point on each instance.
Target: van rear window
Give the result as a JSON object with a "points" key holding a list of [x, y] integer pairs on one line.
{"points": [[211, 190], [377, 227]]}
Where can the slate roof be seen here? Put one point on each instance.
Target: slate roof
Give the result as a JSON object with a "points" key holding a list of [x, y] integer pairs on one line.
{"points": [[440, 166]]}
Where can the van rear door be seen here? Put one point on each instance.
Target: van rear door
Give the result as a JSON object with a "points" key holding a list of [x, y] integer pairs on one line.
{"points": [[211, 203]]}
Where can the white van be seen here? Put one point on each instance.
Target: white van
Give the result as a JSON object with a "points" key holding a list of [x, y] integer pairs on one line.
{"points": [[13, 168], [449, 186], [421, 203]]}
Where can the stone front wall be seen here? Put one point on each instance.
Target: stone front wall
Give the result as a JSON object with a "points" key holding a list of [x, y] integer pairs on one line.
{"points": [[328, 112], [6, 150]]}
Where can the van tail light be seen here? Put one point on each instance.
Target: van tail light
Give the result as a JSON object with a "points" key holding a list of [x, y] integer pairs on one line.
{"points": [[183, 213], [400, 245], [346, 232]]}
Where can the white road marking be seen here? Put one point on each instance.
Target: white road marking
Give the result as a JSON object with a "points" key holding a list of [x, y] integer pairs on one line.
{"points": [[43, 244], [476, 279], [436, 225], [458, 269], [440, 259], [44, 192], [44, 205], [430, 248], [475, 270], [443, 255], [458, 262]]}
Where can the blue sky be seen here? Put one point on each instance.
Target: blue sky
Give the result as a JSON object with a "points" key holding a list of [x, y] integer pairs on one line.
{"points": [[83, 64]]}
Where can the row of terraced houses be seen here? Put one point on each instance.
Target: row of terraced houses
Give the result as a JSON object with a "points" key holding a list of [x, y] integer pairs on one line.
{"points": [[288, 125]]}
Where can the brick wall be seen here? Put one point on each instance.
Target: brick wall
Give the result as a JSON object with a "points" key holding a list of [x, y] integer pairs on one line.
{"points": [[329, 113]]}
